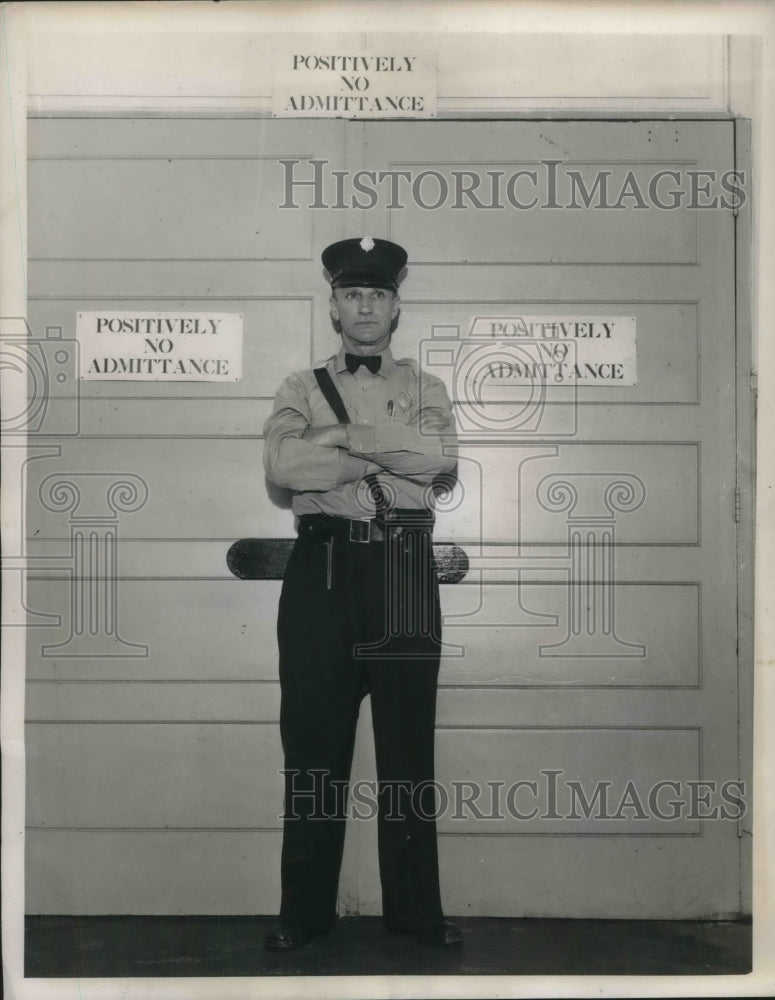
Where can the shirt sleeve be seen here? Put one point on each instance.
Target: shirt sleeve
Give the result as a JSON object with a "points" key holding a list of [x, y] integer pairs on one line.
{"points": [[296, 464], [422, 448]]}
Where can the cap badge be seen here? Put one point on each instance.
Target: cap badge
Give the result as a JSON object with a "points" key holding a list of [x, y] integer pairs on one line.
{"points": [[367, 243]]}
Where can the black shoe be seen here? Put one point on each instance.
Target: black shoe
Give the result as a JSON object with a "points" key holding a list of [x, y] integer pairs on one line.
{"points": [[441, 936], [282, 938]]}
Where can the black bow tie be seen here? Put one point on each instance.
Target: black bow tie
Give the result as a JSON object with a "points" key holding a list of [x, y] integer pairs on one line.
{"points": [[354, 361]]}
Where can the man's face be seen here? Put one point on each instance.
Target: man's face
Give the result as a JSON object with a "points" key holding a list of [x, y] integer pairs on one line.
{"points": [[365, 315]]}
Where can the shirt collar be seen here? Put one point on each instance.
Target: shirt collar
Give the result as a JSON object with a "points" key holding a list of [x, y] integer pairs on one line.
{"points": [[385, 367]]}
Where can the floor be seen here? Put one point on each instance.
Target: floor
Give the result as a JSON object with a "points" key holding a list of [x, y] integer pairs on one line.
{"points": [[121, 947]]}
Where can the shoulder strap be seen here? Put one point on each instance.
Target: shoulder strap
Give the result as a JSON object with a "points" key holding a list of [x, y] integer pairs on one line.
{"points": [[331, 393], [336, 403]]}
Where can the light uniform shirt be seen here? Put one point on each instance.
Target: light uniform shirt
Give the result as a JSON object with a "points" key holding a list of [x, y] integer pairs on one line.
{"points": [[402, 428]]}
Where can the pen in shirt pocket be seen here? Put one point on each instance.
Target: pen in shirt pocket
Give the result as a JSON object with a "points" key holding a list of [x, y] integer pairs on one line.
{"points": [[390, 410]]}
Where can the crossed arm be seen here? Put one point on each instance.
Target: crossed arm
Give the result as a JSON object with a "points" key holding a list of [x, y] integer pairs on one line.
{"points": [[301, 457]]}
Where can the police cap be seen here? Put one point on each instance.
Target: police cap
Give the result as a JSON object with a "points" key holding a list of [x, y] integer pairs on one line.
{"points": [[364, 263]]}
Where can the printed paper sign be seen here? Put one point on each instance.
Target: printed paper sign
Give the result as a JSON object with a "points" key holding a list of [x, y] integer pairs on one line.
{"points": [[351, 83], [160, 346], [558, 350]]}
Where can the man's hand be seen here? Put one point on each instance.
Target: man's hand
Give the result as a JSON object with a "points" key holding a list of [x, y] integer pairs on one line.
{"points": [[332, 436]]}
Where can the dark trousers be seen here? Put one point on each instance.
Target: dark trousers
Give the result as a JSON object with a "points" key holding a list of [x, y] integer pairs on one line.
{"points": [[359, 618]]}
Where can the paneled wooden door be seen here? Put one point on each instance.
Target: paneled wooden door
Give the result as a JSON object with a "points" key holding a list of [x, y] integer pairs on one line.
{"points": [[592, 646], [598, 623]]}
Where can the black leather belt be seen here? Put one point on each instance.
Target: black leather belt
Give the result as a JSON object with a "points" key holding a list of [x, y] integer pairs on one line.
{"points": [[365, 530]]}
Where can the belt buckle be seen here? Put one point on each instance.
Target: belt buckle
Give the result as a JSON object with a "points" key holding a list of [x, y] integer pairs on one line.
{"points": [[362, 537]]}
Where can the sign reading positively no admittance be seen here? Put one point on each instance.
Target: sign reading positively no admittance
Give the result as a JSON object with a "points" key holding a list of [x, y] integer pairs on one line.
{"points": [[160, 346], [559, 350], [349, 83]]}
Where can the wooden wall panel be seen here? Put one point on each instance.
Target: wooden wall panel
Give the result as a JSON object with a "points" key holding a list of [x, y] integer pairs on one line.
{"points": [[184, 775], [520, 635], [170, 775], [498, 634], [155, 701], [222, 630], [152, 872]]}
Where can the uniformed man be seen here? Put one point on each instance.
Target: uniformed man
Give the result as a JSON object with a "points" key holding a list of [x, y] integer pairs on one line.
{"points": [[362, 442]]}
